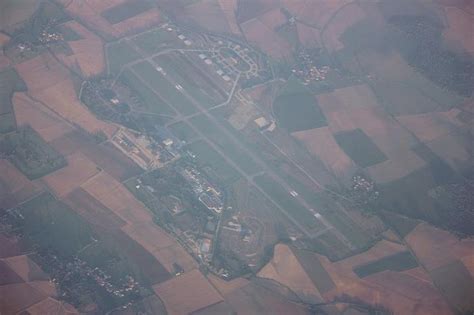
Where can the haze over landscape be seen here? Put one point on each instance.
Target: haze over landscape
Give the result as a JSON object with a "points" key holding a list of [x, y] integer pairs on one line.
{"points": [[237, 157]]}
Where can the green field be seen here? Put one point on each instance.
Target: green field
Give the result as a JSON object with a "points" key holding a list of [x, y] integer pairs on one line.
{"points": [[10, 82], [183, 131], [360, 148], [119, 54], [31, 154], [315, 270], [164, 88], [398, 262], [153, 103], [402, 225], [207, 156], [230, 149], [283, 198], [156, 40], [441, 171], [7, 123], [193, 81], [409, 195], [296, 109], [125, 10], [49, 223]]}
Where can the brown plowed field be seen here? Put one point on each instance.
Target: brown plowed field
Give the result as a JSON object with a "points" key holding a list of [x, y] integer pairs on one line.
{"points": [[78, 170], [106, 156], [40, 118], [49, 82], [187, 293], [92, 210], [14, 186], [88, 52], [89, 12]]}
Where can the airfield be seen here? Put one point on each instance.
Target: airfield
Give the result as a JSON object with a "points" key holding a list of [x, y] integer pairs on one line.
{"points": [[268, 152]]}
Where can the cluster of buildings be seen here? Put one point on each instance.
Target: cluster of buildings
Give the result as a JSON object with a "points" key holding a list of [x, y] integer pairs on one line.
{"points": [[210, 195], [44, 38], [364, 189], [79, 268], [307, 71], [47, 37], [145, 151], [263, 124]]}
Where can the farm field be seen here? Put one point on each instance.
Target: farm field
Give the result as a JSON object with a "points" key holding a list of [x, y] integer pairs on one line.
{"points": [[173, 290], [87, 49], [360, 148], [10, 83], [125, 10], [306, 115], [15, 187], [113, 19], [285, 269], [397, 262], [31, 154]]}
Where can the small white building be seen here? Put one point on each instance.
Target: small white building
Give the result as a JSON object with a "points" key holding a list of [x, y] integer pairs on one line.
{"points": [[167, 142]]}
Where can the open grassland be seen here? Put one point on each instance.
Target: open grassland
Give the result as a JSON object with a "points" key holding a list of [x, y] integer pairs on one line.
{"points": [[157, 40], [119, 54], [153, 103], [207, 156], [31, 154], [287, 202], [183, 131], [210, 130], [191, 78], [164, 88]]}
